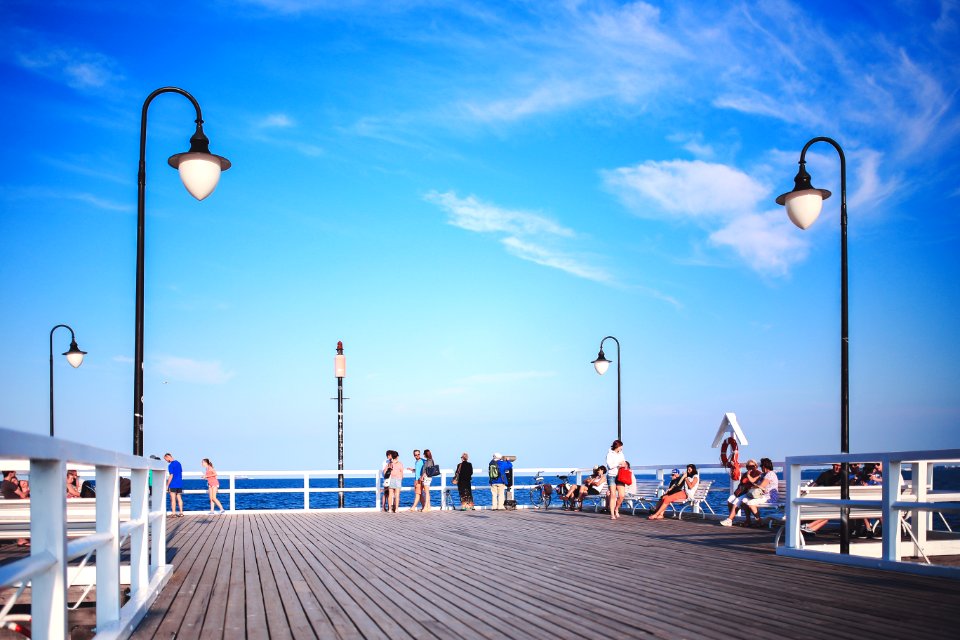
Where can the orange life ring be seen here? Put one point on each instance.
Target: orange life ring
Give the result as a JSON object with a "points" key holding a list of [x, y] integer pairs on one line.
{"points": [[732, 463]]}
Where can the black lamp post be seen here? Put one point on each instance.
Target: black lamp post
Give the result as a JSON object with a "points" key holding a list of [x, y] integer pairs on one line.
{"points": [[200, 171], [601, 364], [340, 371], [74, 357], [803, 206]]}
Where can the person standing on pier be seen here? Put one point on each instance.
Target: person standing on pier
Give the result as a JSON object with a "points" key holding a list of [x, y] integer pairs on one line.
{"points": [[174, 484], [213, 484], [463, 478], [426, 479], [615, 460], [417, 474], [385, 474], [395, 481], [498, 482]]}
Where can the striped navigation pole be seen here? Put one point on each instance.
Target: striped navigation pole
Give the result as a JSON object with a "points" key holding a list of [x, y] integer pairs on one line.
{"points": [[340, 370]]}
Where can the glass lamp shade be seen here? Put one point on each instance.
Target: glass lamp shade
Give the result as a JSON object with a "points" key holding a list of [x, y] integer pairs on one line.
{"points": [[200, 172], [75, 355], [340, 366], [601, 364], [803, 207]]}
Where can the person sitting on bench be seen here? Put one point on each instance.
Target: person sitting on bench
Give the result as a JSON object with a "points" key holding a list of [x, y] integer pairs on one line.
{"points": [[682, 487]]}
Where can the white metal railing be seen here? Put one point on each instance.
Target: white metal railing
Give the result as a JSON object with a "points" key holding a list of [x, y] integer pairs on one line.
{"points": [[904, 507], [46, 568]]}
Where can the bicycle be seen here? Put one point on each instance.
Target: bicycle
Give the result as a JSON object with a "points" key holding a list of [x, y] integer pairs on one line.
{"points": [[541, 494]]}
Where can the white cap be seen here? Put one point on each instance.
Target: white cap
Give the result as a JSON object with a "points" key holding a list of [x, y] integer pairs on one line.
{"points": [[496, 456]]}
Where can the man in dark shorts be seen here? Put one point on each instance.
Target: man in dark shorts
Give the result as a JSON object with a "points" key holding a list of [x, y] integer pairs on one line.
{"points": [[174, 484]]}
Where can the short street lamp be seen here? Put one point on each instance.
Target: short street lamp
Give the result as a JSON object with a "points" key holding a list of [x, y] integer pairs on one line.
{"points": [[601, 364], [803, 207], [74, 357], [200, 171]]}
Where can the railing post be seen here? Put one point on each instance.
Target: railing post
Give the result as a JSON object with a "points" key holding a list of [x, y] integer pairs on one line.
{"points": [[48, 510], [377, 497], [443, 490], [921, 519], [139, 512], [306, 492], [233, 493], [108, 554], [158, 527], [792, 487], [892, 481]]}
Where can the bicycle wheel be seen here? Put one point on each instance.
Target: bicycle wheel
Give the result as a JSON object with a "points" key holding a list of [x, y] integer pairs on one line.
{"points": [[536, 497]]}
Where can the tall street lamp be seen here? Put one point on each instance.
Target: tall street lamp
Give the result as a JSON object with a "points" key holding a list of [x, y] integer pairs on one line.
{"points": [[74, 357], [803, 207], [340, 371], [200, 171], [601, 364]]}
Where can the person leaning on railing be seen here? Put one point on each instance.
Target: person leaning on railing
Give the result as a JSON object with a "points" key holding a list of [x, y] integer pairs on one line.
{"points": [[12, 489]]}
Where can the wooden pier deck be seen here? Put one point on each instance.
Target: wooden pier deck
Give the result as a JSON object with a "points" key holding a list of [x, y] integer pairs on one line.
{"points": [[523, 574]]}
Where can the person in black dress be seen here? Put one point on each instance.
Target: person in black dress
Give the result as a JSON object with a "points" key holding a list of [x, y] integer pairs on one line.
{"points": [[463, 478]]}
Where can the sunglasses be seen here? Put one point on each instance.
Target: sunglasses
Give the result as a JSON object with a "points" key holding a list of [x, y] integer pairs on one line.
{"points": [[751, 466]]}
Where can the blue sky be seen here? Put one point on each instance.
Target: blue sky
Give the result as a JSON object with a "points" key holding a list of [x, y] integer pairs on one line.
{"points": [[470, 196]]}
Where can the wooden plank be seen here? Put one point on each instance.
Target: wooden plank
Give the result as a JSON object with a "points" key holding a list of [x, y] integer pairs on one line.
{"points": [[521, 575]]}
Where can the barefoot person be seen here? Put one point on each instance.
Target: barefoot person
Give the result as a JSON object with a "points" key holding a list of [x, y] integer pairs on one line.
{"points": [[213, 484]]}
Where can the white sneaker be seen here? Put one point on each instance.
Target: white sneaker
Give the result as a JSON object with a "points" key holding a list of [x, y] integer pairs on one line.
{"points": [[726, 522]]}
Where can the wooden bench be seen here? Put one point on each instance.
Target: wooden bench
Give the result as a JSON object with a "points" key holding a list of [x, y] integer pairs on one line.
{"points": [[81, 517]]}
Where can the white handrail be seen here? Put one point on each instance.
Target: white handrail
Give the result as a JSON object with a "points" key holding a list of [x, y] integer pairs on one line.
{"points": [[46, 567], [916, 502]]}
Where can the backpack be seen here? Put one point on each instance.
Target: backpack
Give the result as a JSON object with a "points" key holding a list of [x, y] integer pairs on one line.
{"points": [[494, 471]]}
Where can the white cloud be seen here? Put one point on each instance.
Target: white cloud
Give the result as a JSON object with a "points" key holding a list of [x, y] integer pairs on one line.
{"points": [[690, 188], [276, 121], [528, 236], [196, 371], [767, 242], [77, 69], [720, 198], [473, 215], [550, 258]]}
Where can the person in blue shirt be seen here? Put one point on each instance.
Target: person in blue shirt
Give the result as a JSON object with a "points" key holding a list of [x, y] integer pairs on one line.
{"points": [[498, 481], [174, 484], [417, 484]]}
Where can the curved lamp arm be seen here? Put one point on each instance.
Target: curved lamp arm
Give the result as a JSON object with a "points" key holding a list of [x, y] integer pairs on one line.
{"points": [[74, 357]]}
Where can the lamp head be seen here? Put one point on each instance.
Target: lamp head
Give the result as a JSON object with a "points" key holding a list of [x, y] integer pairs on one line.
{"points": [[805, 201], [601, 364], [199, 169], [75, 355]]}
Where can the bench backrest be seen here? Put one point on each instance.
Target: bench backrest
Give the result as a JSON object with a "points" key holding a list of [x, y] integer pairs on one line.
{"points": [[645, 488], [702, 490]]}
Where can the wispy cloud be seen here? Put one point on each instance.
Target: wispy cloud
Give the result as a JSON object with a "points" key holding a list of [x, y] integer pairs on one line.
{"points": [[276, 121], [721, 199], [529, 236], [81, 70], [473, 215], [195, 371], [47, 194]]}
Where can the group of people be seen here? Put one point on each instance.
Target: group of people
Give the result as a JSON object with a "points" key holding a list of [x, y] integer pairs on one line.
{"points": [[758, 486], [12, 488], [424, 471], [175, 484], [617, 475]]}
